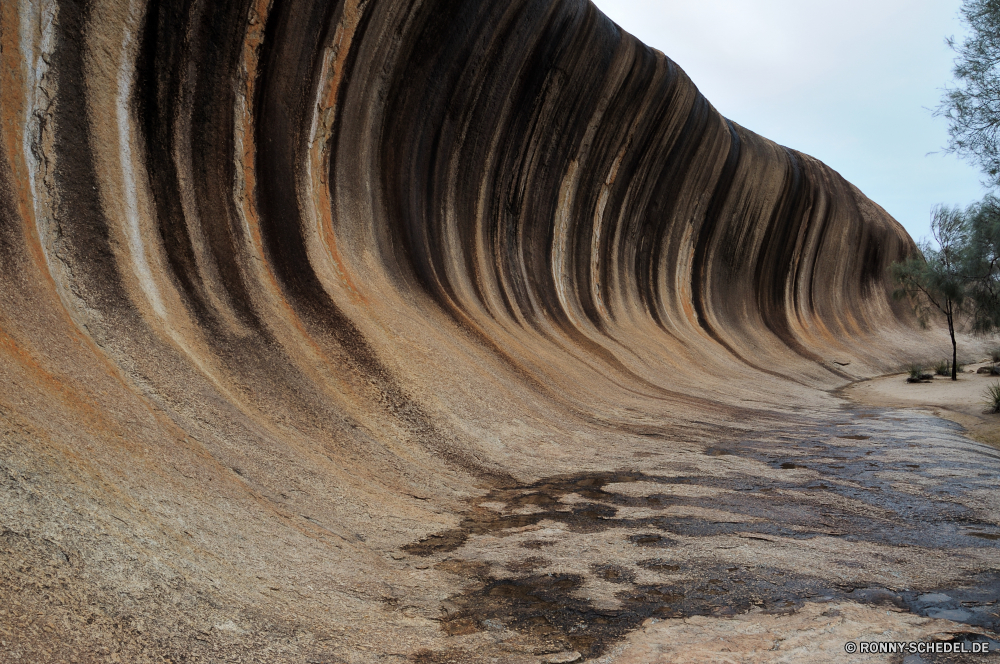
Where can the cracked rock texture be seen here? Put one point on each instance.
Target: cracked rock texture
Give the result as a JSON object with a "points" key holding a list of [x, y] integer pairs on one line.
{"points": [[289, 287]]}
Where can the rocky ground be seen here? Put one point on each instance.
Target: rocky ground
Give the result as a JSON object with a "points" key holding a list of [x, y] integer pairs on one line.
{"points": [[865, 524]]}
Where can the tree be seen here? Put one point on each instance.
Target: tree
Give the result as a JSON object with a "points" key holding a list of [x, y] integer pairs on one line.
{"points": [[961, 276], [937, 277], [973, 105], [982, 264]]}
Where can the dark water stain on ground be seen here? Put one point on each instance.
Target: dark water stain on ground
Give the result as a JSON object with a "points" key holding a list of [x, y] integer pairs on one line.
{"points": [[544, 495], [837, 460], [549, 610], [548, 607]]}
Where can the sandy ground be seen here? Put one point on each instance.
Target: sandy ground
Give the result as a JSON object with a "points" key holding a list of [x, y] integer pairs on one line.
{"points": [[960, 401]]}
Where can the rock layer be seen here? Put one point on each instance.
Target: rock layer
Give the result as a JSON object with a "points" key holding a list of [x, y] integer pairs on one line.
{"points": [[286, 282]]}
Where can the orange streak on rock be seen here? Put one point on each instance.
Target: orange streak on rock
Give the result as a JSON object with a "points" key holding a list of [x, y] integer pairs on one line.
{"points": [[247, 173], [12, 126], [67, 392], [334, 62]]}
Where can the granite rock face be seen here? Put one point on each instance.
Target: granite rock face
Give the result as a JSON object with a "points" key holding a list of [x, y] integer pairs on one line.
{"points": [[285, 283]]}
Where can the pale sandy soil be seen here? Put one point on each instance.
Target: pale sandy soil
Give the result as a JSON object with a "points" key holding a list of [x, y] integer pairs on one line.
{"points": [[960, 401]]}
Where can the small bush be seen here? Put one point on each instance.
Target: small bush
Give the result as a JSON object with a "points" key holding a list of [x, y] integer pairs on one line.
{"points": [[917, 374], [992, 397], [943, 368], [995, 355]]}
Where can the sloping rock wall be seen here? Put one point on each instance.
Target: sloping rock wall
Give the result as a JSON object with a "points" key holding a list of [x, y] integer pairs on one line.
{"points": [[284, 283]]}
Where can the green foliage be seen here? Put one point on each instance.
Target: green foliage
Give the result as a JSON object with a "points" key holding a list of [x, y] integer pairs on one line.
{"points": [[959, 276], [995, 355], [992, 397], [935, 279], [973, 105], [943, 368], [981, 263], [917, 374]]}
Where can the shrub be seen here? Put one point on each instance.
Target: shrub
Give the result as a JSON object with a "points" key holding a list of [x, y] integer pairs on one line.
{"points": [[943, 368], [992, 397], [995, 355], [917, 374]]}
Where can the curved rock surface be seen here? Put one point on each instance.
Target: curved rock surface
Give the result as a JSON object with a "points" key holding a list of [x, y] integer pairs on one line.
{"points": [[287, 285]]}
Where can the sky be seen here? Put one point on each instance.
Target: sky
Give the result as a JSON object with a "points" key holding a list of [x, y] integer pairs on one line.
{"points": [[852, 83]]}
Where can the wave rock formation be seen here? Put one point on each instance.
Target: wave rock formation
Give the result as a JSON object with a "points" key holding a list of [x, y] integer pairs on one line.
{"points": [[285, 283]]}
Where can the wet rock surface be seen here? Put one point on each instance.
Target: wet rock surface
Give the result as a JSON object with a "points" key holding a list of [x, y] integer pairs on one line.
{"points": [[676, 545]]}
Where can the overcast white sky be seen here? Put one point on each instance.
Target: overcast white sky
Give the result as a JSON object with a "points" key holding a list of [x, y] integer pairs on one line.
{"points": [[848, 82]]}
